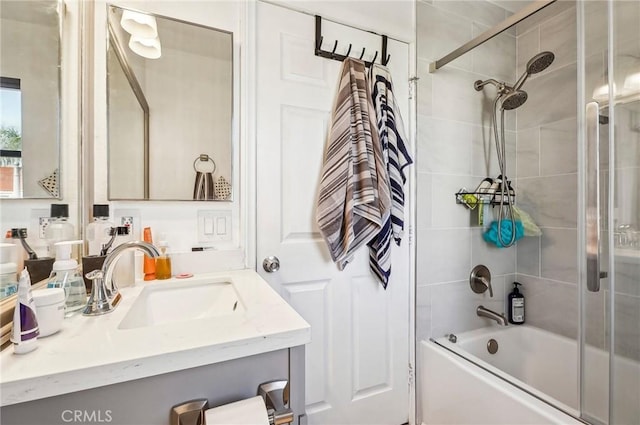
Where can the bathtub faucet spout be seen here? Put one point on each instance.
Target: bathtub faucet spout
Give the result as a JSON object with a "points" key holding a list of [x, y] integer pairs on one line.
{"points": [[490, 314]]}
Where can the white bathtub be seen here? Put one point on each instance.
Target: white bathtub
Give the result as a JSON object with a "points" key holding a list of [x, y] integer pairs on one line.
{"points": [[540, 366]]}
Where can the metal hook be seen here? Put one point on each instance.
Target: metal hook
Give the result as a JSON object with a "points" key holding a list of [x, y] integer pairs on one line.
{"points": [[386, 61], [349, 51], [374, 58], [333, 52], [362, 54], [320, 42]]}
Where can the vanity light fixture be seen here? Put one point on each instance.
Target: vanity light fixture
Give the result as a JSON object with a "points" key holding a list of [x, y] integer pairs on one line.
{"points": [[139, 24], [146, 47]]}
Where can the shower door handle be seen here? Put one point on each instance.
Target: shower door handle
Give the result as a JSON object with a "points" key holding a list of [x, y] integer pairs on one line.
{"points": [[593, 196]]}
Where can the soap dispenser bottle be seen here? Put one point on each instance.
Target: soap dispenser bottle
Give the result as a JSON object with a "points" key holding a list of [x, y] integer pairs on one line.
{"points": [[59, 228], [516, 305], [98, 229], [65, 275], [163, 262]]}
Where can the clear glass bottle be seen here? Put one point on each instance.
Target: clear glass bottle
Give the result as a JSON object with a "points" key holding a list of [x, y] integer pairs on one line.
{"points": [[98, 229], [59, 228], [65, 275], [163, 262]]}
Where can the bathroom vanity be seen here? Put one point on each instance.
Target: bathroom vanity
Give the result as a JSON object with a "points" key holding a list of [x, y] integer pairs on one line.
{"points": [[132, 365]]}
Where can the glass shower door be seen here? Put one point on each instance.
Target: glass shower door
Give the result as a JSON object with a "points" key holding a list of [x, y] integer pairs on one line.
{"points": [[610, 155]]}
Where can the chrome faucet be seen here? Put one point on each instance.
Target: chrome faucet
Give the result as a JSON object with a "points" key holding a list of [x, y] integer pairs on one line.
{"points": [[104, 291], [481, 311]]}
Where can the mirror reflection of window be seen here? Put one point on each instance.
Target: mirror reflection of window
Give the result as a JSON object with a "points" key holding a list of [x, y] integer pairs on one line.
{"points": [[10, 138]]}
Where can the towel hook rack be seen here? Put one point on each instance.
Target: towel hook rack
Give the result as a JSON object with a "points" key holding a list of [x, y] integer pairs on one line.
{"points": [[384, 59]]}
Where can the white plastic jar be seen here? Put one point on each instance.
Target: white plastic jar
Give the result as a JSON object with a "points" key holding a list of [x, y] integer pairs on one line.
{"points": [[49, 310]]}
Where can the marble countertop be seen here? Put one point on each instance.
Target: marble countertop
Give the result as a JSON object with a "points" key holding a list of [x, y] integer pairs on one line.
{"points": [[90, 352]]}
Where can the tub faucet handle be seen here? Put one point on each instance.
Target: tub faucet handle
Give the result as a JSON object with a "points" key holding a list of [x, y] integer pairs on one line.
{"points": [[480, 280]]}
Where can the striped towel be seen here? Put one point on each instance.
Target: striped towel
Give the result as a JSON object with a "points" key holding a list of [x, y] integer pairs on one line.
{"points": [[354, 193], [397, 158]]}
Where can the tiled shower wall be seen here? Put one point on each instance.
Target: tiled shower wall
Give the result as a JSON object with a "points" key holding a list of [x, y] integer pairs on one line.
{"points": [[455, 150], [547, 167]]}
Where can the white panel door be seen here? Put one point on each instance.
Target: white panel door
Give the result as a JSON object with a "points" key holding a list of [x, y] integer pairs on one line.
{"points": [[357, 362]]}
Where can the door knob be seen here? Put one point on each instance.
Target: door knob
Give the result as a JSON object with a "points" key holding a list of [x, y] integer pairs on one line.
{"points": [[271, 264]]}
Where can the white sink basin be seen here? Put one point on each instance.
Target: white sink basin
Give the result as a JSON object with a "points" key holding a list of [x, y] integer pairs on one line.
{"points": [[161, 303]]}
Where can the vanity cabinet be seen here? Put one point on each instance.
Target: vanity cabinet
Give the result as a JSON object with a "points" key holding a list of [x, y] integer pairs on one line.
{"points": [[149, 400]]}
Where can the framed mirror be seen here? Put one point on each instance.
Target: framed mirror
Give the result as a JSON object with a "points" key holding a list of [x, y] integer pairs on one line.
{"points": [[170, 108], [30, 57]]}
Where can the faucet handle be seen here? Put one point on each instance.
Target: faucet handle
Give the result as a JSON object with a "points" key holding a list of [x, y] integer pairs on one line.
{"points": [[480, 280], [99, 302]]}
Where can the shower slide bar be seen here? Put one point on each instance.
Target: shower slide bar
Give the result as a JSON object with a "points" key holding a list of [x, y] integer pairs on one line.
{"points": [[521, 15]]}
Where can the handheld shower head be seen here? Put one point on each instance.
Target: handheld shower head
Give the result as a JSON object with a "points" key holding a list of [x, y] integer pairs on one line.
{"points": [[514, 100], [536, 64]]}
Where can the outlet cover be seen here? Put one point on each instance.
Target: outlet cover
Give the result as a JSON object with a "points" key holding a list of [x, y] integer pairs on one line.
{"points": [[43, 223]]}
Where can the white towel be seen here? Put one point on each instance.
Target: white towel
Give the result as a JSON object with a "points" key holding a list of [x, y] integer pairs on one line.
{"points": [[354, 193]]}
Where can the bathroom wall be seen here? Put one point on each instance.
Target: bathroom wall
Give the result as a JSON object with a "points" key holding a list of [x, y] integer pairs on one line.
{"points": [[455, 150]]}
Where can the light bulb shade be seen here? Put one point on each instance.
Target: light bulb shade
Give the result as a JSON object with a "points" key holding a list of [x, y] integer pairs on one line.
{"points": [[146, 47], [139, 24], [632, 82]]}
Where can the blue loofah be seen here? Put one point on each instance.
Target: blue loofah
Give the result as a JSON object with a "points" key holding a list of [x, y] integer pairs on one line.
{"points": [[491, 235]]}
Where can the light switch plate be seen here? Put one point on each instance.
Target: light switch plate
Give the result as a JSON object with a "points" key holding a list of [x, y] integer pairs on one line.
{"points": [[214, 225]]}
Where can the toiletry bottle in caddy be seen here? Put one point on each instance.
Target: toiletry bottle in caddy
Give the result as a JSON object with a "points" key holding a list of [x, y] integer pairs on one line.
{"points": [[65, 275], [8, 270]]}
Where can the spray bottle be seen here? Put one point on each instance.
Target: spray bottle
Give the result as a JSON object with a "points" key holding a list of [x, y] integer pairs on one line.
{"points": [[65, 275], [24, 334]]}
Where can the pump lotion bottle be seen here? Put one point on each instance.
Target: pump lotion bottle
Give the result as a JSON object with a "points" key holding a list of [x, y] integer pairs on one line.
{"points": [[516, 305]]}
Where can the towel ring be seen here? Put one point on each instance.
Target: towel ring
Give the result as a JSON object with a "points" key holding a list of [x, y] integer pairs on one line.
{"points": [[206, 159]]}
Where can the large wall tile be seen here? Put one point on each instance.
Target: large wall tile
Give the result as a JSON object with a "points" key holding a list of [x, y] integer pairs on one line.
{"points": [[500, 261], [445, 212], [453, 306], [444, 255], [447, 147], [627, 274], [545, 14], [627, 331], [528, 256], [528, 46], [424, 97], [528, 153], [559, 258], [423, 206], [484, 12], [550, 305], [559, 36], [423, 312], [559, 148], [439, 32], [457, 100], [551, 201], [552, 97], [496, 57]]}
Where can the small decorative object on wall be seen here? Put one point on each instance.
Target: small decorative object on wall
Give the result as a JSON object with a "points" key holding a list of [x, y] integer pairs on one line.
{"points": [[222, 189], [50, 184]]}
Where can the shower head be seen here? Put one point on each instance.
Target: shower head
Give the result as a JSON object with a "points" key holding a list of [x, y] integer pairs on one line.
{"points": [[540, 62], [536, 64], [514, 99]]}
